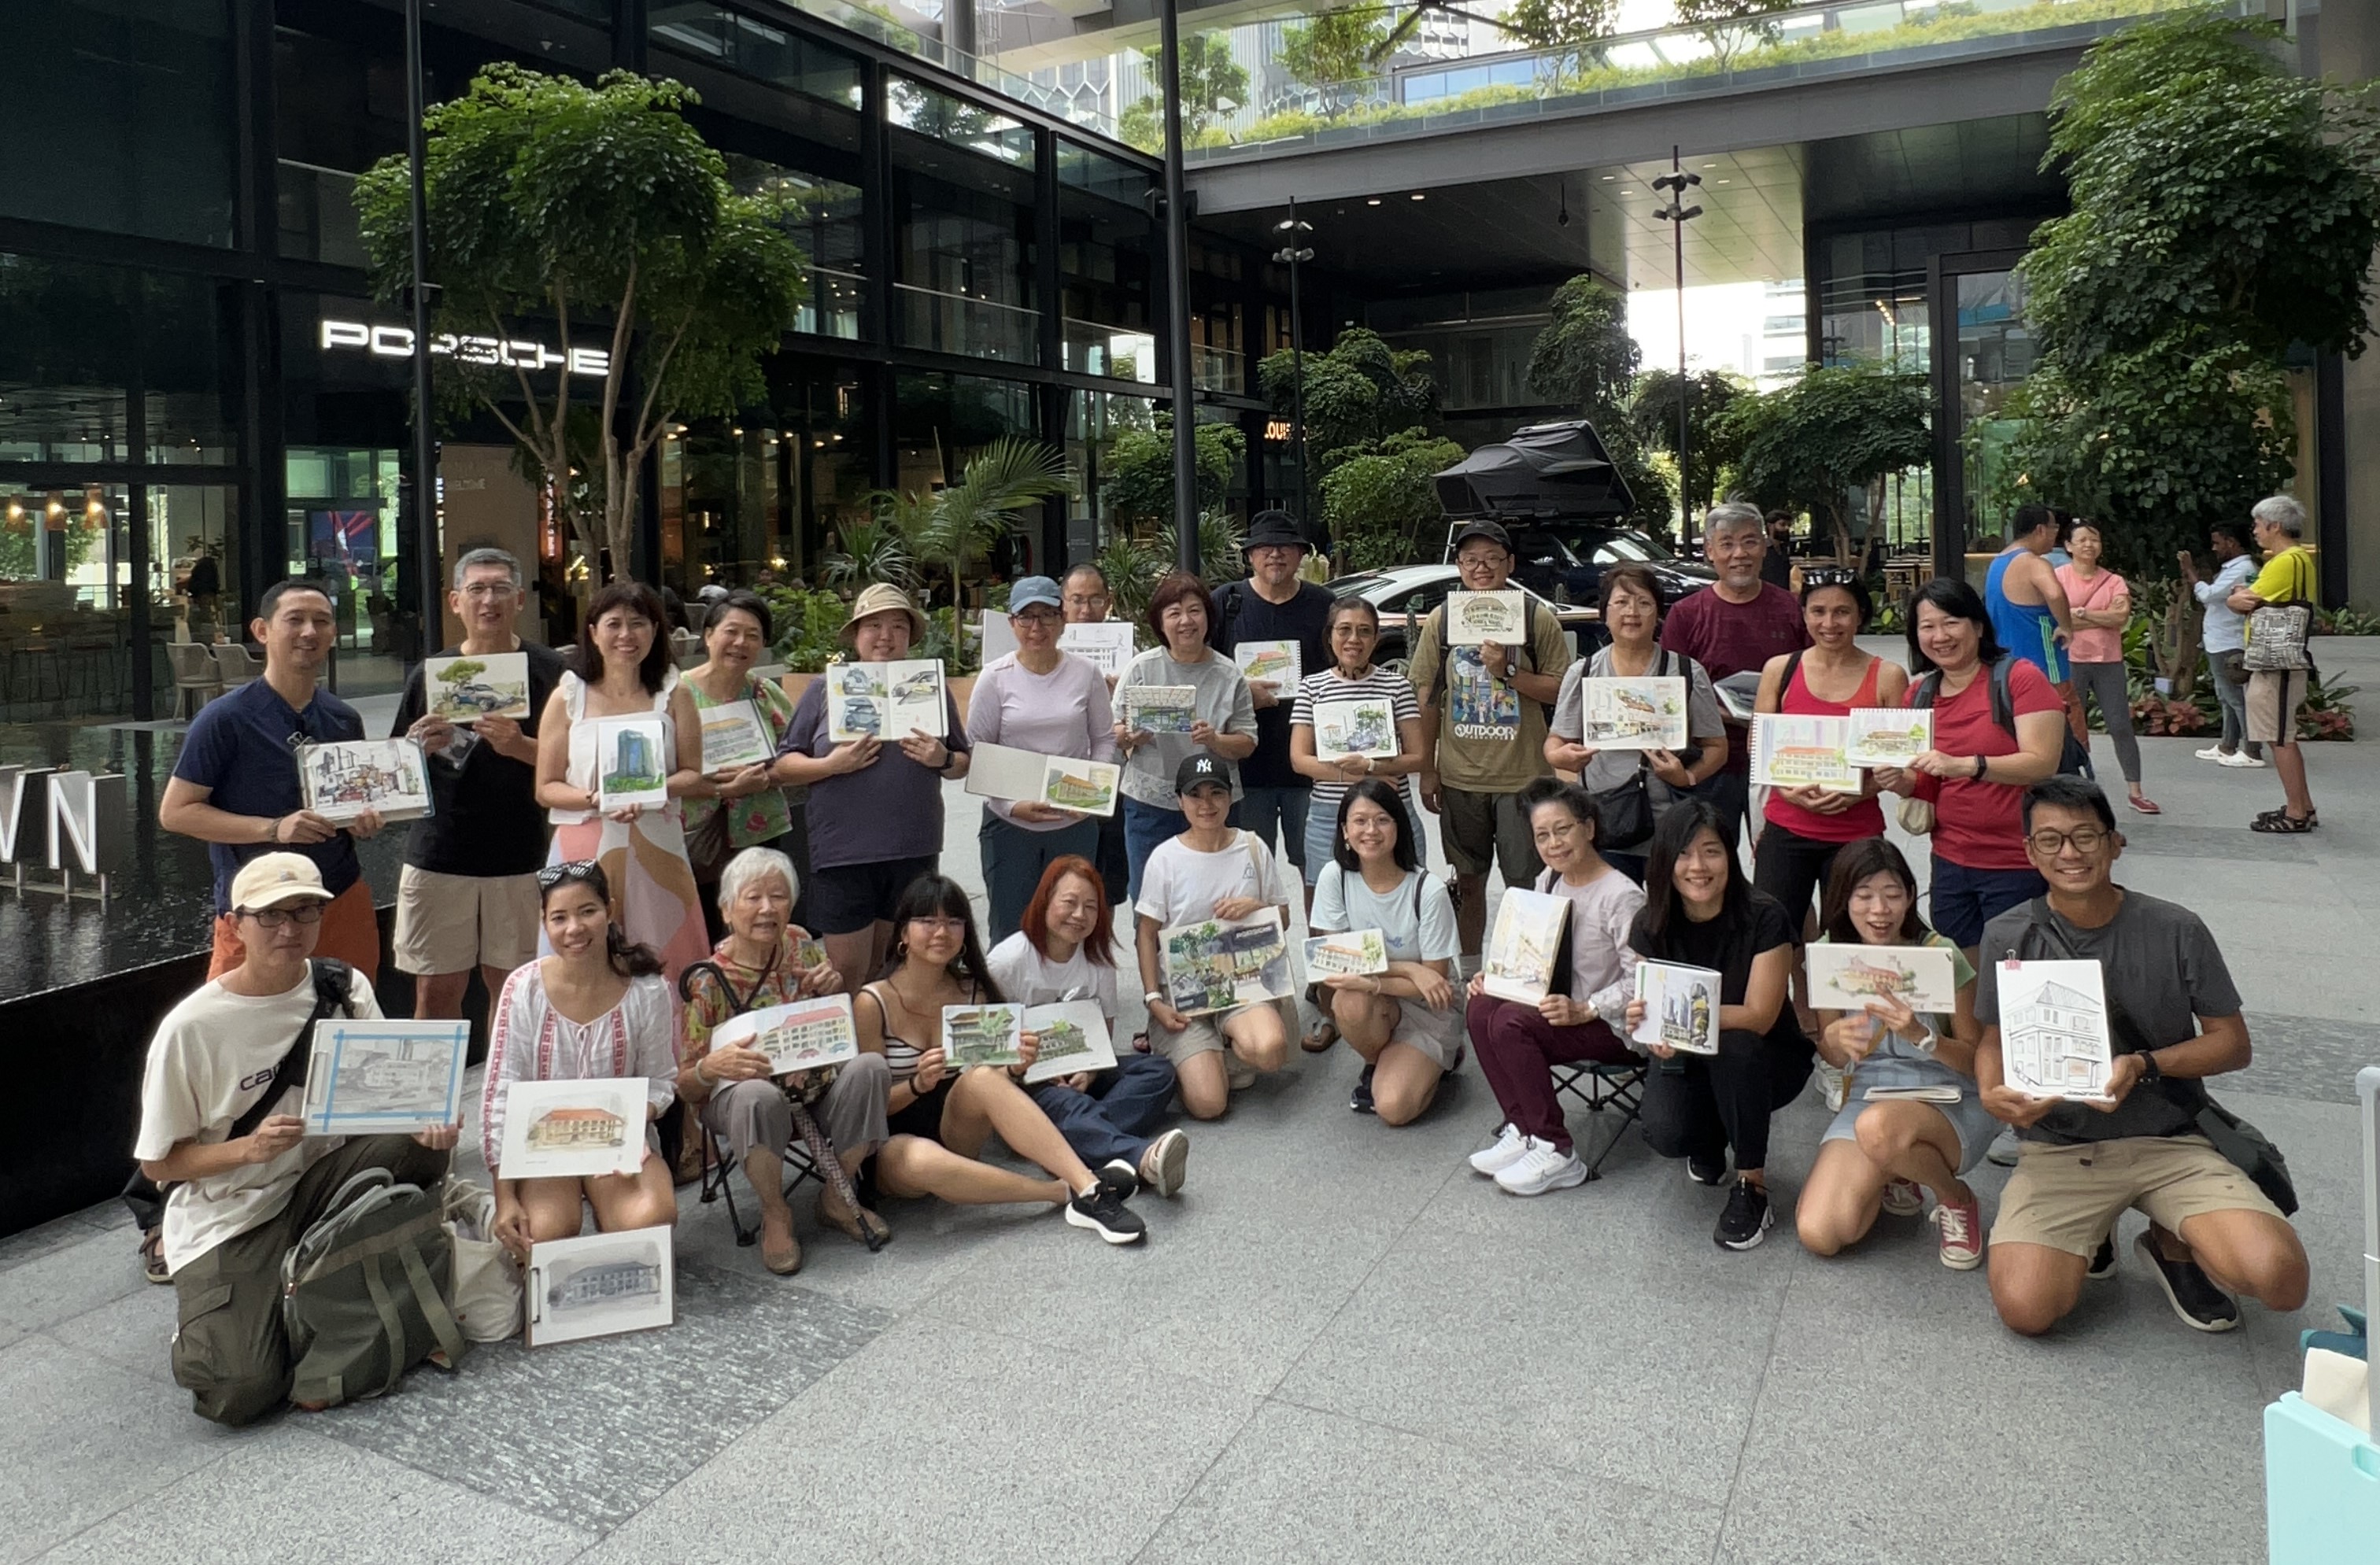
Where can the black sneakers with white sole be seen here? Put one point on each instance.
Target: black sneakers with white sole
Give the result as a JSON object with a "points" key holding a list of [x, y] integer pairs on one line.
{"points": [[1100, 1210]]}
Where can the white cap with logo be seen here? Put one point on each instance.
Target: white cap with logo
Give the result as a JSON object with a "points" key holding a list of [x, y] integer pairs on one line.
{"points": [[270, 879]]}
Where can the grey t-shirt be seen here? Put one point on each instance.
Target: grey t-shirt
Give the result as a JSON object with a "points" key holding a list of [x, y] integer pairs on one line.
{"points": [[1609, 768], [2161, 969], [1224, 704]]}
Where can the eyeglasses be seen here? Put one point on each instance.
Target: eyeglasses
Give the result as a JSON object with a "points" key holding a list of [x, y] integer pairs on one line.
{"points": [[2048, 843], [940, 925], [277, 918], [489, 589], [552, 875], [1037, 615]]}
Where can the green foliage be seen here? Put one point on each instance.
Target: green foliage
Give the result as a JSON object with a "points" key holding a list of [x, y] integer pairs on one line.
{"points": [[872, 552], [1222, 549], [1358, 393], [1131, 569], [1585, 359], [957, 526], [1710, 442], [1809, 446], [1380, 503], [1335, 46], [1212, 85], [584, 205], [16, 547], [808, 625], [1140, 490], [1559, 24], [2346, 621]]}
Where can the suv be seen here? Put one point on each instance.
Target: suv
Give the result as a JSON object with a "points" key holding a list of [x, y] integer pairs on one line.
{"points": [[1565, 559]]}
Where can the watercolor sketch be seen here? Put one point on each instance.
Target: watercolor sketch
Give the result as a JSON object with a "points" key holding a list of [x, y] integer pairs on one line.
{"points": [[347, 777], [1680, 1006], [632, 759], [734, 736], [1524, 945], [1074, 1036], [1346, 955], [1158, 708], [1215, 963], [366, 1077], [1277, 662], [1845, 977], [1086, 786], [1801, 750], [1365, 726], [599, 1285], [982, 1035], [574, 1129], [466, 689], [1634, 714], [1474, 617], [801, 1035], [1887, 736]]}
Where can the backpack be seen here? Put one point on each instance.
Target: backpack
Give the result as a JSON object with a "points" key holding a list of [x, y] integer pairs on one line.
{"points": [[364, 1292], [1523, 660], [2073, 760]]}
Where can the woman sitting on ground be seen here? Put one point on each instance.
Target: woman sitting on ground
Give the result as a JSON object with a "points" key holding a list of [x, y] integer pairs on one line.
{"points": [[1885, 1155], [596, 1009], [1700, 912], [1594, 980], [1211, 870], [1403, 1023], [939, 1118], [767, 960], [1061, 952]]}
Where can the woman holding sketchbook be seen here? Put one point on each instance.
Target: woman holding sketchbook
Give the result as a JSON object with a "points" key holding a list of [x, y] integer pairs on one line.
{"points": [[748, 788], [1699, 912], [1220, 721], [1354, 631], [1052, 703], [767, 960], [1884, 1154]]}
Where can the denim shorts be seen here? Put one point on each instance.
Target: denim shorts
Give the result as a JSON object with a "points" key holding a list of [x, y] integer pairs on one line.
{"points": [[1964, 899]]}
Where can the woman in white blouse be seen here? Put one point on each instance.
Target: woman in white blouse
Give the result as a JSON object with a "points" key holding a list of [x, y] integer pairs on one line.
{"points": [[597, 1008]]}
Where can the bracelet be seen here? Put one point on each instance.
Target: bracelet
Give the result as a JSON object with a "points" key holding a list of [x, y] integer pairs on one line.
{"points": [[1980, 762], [273, 829]]}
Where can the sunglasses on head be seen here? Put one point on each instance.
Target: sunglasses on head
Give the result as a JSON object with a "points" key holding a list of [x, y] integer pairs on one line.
{"points": [[581, 869]]}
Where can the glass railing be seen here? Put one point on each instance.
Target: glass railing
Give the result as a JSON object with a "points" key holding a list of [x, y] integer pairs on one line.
{"points": [[831, 303], [317, 214], [1118, 352], [961, 324], [879, 24], [1219, 370]]}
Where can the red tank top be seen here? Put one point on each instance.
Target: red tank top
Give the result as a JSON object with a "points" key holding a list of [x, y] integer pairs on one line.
{"points": [[1864, 819]]}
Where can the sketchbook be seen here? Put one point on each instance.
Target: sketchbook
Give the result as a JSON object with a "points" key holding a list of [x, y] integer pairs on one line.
{"points": [[1944, 1094], [1887, 736], [346, 777], [1073, 1036], [1801, 750], [1474, 617], [1680, 1006], [369, 1077], [464, 689], [598, 1285], [1214, 964], [1157, 708], [1738, 695], [886, 701], [1003, 771], [982, 1035], [1524, 946], [1106, 645], [2054, 1040], [1845, 977], [1350, 954], [634, 757], [1633, 714], [1365, 725], [573, 1129], [800, 1035], [1276, 661], [734, 737]]}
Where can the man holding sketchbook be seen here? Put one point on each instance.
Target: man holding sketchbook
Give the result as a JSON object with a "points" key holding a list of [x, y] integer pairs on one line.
{"points": [[2171, 1019], [1252, 619]]}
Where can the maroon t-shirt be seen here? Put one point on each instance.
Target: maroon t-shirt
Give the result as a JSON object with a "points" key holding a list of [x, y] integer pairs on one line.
{"points": [[1729, 639]]}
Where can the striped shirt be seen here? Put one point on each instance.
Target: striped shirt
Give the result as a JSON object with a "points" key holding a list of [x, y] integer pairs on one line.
{"points": [[1332, 686]]}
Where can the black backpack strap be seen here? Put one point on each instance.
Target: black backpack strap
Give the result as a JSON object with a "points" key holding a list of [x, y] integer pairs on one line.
{"points": [[2003, 697], [1921, 694], [333, 992], [1793, 662]]}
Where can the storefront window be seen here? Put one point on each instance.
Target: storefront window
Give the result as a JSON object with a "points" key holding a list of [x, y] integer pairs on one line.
{"points": [[822, 216], [965, 279], [1105, 264], [757, 497], [939, 419], [91, 357], [344, 532], [338, 108]]}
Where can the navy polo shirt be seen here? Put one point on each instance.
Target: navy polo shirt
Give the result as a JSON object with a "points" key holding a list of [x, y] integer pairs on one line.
{"points": [[242, 748]]}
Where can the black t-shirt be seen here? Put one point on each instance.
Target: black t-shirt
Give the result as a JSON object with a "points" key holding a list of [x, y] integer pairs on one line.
{"points": [[485, 818], [1240, 614], [1727, 946]]}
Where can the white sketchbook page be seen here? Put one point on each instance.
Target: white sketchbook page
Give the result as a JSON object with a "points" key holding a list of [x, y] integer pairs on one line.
{"points": [[1845, 977], [346, 777], [1524, 946], [1158, 708], [1003, 771], [734, 736], [599, 1285], [573, 1129], [1355, 953], [1474, 617], [1086, 787], [799, 1035], [1213, 964], [2054, 1040], [914, 691], [1887, 736], [998, 639], [632, 760], [981, 1034], [1277, 662], [1365, 726], [1801, 750], [856, 701], [379, 1076], [1074, 1036], [1106, 645], [1680, 1006], [499, 689], [1634, 714]]}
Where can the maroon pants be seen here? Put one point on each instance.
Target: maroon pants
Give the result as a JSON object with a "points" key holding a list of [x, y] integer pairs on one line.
{"points": [[1517, 1046]]}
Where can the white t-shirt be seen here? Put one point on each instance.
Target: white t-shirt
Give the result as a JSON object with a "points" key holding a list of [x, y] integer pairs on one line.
{"points": [[212, 1056], [1345, 901], [1027, 978], [1180, 884]]}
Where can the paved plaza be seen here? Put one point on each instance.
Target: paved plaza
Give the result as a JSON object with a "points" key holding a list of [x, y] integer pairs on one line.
{"points": [[1337, 1344]]}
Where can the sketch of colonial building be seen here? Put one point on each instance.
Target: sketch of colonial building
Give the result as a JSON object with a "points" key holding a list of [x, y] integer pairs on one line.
{"points": [[2054, 1038], [559, 1128], [972, 1039], [605, 1283]]}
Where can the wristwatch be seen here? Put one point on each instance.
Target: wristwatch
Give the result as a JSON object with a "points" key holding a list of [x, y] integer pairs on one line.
{"points": [[2149, 1069]]}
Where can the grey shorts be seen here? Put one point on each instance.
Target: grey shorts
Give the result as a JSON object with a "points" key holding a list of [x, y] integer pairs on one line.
{"points": [[1205, 1034], [1480, 829]]}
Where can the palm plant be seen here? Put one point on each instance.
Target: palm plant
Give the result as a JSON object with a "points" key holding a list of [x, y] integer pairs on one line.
{"points": [[956, 527], [872, 551]]}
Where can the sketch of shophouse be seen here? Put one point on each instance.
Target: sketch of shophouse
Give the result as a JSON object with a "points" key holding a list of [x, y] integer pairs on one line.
{"points": [[2058, 1036], [559, 1128], [353, 774]]}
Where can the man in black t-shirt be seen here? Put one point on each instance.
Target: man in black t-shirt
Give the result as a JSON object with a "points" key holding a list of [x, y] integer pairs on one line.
{"points": [[1273, 604], [468, 896]]}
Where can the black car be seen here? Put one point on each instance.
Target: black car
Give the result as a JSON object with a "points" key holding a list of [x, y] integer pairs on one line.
{"points": [[1406, 594], [1565, 561]]}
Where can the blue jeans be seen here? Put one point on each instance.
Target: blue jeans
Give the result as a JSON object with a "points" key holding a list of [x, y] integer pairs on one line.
{"points": [[1270, 812], [1113, 1120], [1965, 900], [1013, 859], [1145, 826], [2233, 700]]}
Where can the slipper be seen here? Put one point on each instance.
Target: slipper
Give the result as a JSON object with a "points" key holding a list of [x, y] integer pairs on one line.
{"points": [[2145, 806], [1323, 1039], [1140, 1043], [2284, 825]]}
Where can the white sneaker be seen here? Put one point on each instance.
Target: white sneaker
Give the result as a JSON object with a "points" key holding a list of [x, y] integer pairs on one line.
{"points": [[1831, 1084], [1493, 1160], [2242, 758], [2212, 752], [1541, 1167], [1238, 1073]]}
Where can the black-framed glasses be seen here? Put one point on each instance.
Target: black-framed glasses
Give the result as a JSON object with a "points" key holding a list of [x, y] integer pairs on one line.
{"points": [[582, 869], [2049, 842], [302, 914]]}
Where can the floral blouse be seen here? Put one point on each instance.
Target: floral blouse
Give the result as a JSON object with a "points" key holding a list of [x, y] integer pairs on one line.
{"points": [[765, 815]]}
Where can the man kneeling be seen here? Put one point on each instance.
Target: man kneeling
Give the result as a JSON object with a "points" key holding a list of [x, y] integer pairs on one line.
{"points": [[219, 1127], [2174, 1019]]}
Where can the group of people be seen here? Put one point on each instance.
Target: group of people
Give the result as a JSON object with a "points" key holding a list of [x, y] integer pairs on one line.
{"points": [[621, 944]]}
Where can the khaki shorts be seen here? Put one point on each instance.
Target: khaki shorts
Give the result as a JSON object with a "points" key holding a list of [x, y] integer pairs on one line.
{"points": [[2275, 697], [1479, 829], [1205, 1034], [453, 923], [2068, 1197]]}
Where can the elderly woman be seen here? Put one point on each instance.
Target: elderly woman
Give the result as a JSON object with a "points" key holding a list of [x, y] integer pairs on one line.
{"points": [[767, 960], [875, 808], [1041, 699], [1223, 720], [750, 795]]}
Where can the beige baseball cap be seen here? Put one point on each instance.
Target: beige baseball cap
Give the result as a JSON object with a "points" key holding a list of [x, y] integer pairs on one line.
{"points": [[270, 879]]}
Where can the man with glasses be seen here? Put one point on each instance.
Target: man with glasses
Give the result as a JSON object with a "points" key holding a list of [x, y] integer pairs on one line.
{"points": [[235, 785], [465, 897], [220, 1129], [1274, 604], [2173, 1021]]}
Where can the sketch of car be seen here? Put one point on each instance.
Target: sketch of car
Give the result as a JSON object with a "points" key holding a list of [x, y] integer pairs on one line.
{"points": [[480, 698], [916, 687], [860, 716], [607, 1282], [858, 679]]}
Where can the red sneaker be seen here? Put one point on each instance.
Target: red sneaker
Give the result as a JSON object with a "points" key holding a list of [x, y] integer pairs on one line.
{"points": [[1961, 1223]]}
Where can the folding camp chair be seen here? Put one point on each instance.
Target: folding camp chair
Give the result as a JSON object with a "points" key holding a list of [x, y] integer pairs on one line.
{"points": [[1600, 1086], [719, 1177]]}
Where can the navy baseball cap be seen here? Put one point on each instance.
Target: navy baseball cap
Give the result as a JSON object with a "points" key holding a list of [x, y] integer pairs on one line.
{"points": [[1202, 768]]}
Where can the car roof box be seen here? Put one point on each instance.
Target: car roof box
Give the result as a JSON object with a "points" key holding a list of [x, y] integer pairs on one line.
{"points": [[1549, 472]]}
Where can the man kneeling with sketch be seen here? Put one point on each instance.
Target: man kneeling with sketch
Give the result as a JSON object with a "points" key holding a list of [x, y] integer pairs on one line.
{"points": [[219, 1126], [2103, 1074]]}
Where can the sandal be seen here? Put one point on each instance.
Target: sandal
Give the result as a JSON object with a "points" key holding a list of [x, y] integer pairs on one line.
{"points": [[2143, 804], [1323, 1039], [152, 1256], [2284, 824], [2312, 817], [1140, 1043]]}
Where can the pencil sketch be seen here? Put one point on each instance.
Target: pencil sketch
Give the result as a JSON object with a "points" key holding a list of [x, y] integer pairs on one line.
{"points": [[600, 1284]]}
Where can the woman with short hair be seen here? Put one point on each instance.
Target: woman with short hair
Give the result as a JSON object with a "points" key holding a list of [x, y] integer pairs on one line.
{"points": [[735, 637], [1224, 724], [1403, 1023]]}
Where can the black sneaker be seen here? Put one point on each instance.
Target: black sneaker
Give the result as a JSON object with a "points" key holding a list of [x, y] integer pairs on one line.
{"points": [[1361, 1098], [1098, 1210], [1745, 1221], [2103, 1260], [1120, 1179], [1703, 1173], [2202, 1306]]}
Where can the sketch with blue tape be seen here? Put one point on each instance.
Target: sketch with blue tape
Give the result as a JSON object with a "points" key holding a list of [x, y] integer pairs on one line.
{"points": [[371, 1077]]}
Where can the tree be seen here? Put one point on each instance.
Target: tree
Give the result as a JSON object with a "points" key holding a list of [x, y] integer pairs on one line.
{"points": [[1359, 392], [1379, 501], [1710, 444], [1810, 445], [958, 525], [1139, 488], [1584, 361], [1559, 24], [549, 199], [1725, 40], [1335, 46], [1212, 85]]}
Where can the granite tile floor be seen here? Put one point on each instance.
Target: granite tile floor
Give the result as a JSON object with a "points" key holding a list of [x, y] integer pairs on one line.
{"points": [[1337, 1344]]}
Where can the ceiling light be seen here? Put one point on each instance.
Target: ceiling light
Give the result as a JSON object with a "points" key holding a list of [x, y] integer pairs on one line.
{"points": [[1608, 178], [1372, 201], [1417, 195]]}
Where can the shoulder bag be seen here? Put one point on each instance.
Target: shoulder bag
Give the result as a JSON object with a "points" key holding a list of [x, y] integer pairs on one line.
{"points": [[1625, 811]]}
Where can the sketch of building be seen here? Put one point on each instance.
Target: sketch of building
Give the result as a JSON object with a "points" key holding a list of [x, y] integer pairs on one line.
{"points": [[371, 1081], [1063, 1039], [1865, 976], [983, 1035], [362, 775], [1213, 965], [607, 1282], [2056, 1038], [632, 759], [1070, 789], [1686, 1015], [559, 1128]]}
